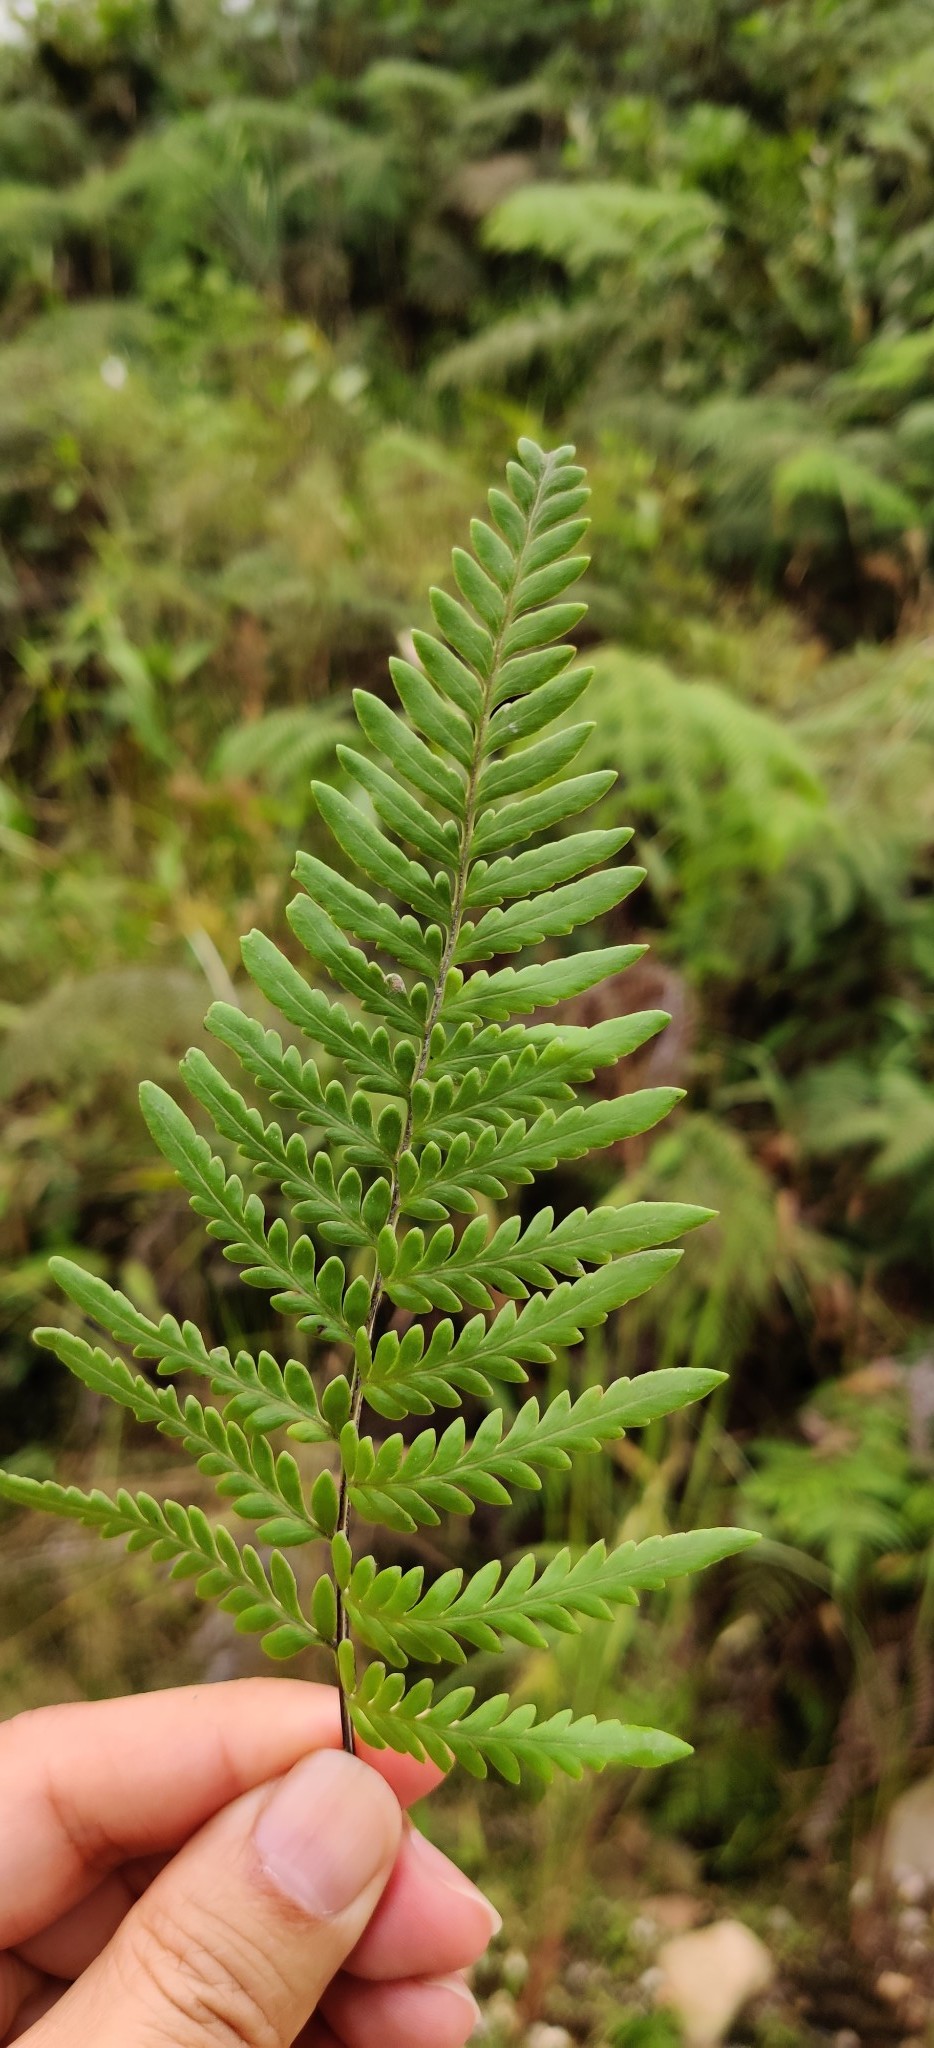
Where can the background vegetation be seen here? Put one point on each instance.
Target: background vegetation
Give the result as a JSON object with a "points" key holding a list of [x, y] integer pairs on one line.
{"points": [[281, 280]]}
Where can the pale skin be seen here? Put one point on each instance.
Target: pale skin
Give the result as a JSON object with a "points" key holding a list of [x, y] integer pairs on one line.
{"points": [[205, 1869]]}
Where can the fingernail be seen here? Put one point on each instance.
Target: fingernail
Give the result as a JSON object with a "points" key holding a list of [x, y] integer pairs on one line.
{"points": [[460, 1990], [329, 1829], [443, 1871]]}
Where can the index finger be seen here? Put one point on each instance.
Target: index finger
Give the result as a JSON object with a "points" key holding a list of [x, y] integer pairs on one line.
{"points": [[84, 1788]]}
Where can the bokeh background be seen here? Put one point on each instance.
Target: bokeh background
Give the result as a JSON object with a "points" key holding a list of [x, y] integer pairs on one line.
{"points": [[281, 282]]}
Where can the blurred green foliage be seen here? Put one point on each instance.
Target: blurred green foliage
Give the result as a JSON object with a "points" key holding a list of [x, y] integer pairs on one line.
{"points": [[281, 281]]}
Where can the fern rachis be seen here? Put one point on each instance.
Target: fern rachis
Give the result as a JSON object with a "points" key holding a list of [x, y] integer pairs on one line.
{"points": [[445, 1099]]}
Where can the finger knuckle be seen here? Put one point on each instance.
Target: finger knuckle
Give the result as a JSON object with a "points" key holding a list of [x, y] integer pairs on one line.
{"points": [[215, 1987]]}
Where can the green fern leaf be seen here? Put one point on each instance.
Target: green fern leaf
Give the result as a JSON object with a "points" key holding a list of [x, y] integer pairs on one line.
{"points": [[264, 1604], [263, 1488], [403, 938], [510, 824], [512, 990], [547, 916], [425, 770], [368, 1055], [399, 1621], [544, 867], [424, 1274], [267, 1257], [347, 1123], [406, 1376], [445, 854], [572, 1052], [259, 1394], [512, 1739], [435, 1182], [407, 1486], [351, 969], [439, 716]]}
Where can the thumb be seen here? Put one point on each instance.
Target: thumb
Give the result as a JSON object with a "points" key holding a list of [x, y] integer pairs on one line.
{"points": [[238, 1937]]}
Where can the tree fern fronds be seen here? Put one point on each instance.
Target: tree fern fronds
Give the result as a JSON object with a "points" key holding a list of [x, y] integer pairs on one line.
{"points": [[407, 1486], [400, 1621], [446, 857], [264, 1603], [587, 223], [512, 343], [262, 1487], [259, 1393], [453, 1730]]}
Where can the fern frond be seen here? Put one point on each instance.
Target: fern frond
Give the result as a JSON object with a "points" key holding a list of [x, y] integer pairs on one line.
{"points": [[346, 1121], [263, 1487], [268, 1258], [264, 1603], [495, 1075], [512, 1739], [569, 1053], [353, 972], [547, 916], [400, 1621], [587, 223], [424, 1274], [512, 824], [404, 1376], [513, 991], [258, 1393], [446, 856], [433, 1181], [513, 875], [366, 1054], [403, 938], [405, 1486]]}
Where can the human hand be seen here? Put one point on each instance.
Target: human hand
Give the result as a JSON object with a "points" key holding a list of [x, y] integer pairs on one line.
{"points": [[207, 1869]]}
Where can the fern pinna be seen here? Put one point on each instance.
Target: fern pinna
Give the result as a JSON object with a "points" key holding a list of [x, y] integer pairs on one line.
{"points": [[445, 1104]]}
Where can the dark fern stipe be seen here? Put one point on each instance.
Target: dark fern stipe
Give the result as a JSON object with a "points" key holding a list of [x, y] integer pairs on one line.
{"points": [[432, 1097]]}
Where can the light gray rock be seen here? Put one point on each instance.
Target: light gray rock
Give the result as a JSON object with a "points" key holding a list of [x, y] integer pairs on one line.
{"points": [[543, 2036], [908, 1841], [708, 1976], [501, 2018]]}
